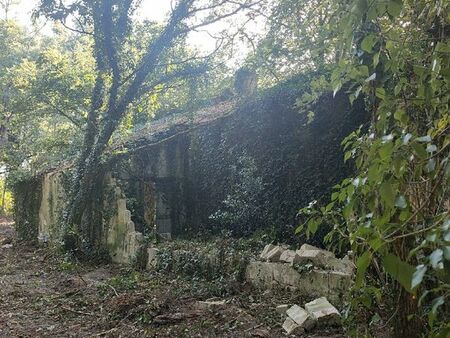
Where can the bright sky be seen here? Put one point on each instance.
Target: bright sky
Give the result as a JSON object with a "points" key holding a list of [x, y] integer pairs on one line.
{"points": [[153, 10]]}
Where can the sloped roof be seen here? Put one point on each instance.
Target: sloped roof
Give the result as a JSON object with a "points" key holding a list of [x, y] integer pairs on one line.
{"points": [[163, 129]]}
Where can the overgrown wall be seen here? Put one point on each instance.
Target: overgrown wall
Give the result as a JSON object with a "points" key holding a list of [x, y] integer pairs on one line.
{"points": [[191, 174], [27, 201]]}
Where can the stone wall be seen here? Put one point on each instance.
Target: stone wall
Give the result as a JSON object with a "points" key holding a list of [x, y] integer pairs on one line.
{"points": [[52, 204], [40, 204], [122, 240]]}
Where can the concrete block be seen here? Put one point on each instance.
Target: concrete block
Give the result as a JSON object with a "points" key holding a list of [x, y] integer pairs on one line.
{"points": [[321, 310], [301, 317], [291, 327]]}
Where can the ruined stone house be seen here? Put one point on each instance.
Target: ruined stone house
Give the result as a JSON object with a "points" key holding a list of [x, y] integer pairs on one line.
{"points": [[172, 175]]}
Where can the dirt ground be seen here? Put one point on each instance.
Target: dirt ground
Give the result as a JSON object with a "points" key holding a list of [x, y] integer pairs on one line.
{"points": [[42, 294]]}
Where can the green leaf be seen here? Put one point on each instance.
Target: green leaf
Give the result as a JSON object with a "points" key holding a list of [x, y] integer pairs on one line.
{"points": [[424, 139], [394, 8], [313, 225], [431, 148], [436, 259], [362, 264], [401, 271], [368, 43], [418, 275], [434, 308], [431, 165], [447, 252], [385, 150], [400, 202], [419, 150], [387, 193], [406, 138], [380, 93]]}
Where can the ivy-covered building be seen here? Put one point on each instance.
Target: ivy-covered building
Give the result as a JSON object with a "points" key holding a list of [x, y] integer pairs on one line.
{"points": [[244, 164]]}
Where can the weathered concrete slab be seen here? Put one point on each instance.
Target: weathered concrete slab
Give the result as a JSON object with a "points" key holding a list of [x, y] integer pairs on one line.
{"points": [[291, 327], [301, 317], [289, 256], [211, 305], [321, 310], [152, 258], [310, 254], [274, 254], [315, 283], [266, 250]]}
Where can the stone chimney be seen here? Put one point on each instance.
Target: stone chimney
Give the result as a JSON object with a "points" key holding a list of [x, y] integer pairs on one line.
{"points": [[245, 82]]}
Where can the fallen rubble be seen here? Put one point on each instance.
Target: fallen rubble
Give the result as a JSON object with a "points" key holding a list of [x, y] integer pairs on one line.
{"points": [[309, 270], [318, 312]]}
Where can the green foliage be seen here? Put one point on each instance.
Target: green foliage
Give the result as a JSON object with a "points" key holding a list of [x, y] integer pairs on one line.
{"points": [[220, 261], [394, 212], [27, 202], [300, 37], [6, 198], [242, 210]]}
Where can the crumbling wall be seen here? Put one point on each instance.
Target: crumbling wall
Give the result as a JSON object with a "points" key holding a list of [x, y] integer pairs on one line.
{"points": [[122, 240], [27, 201], [53, 199]]}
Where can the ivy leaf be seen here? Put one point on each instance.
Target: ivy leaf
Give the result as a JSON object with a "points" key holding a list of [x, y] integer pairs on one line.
{"points": [[371, 77], [394, 8], [434, 308], [431, 165], [418, 275], [313, 225], [400, 202], [419, 150], [447, 252], [387, 193], [447, 236], [401, 271], [380, 93], [362, 264], [368, 43], [431, 148], [406, 138], [386, 150], [436, 259], [424, 139], [446, 225]]}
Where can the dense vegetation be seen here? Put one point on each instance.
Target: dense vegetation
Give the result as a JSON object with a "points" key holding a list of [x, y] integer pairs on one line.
{"points": [[101, 75]]}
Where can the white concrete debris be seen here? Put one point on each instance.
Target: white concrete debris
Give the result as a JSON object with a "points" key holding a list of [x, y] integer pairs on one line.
{"points": [[266, 250], [289, 256], [290, 326], [311, 271], [274, 254], [317, 312], [152, 258], [210, 304], [310, 254], [321, 310], [301, 317]]}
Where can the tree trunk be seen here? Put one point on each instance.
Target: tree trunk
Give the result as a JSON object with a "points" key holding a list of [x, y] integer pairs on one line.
{"points": [[407, 322]]}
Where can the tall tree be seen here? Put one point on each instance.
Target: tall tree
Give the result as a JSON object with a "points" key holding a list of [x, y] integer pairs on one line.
{"points": [[117, 85]]}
